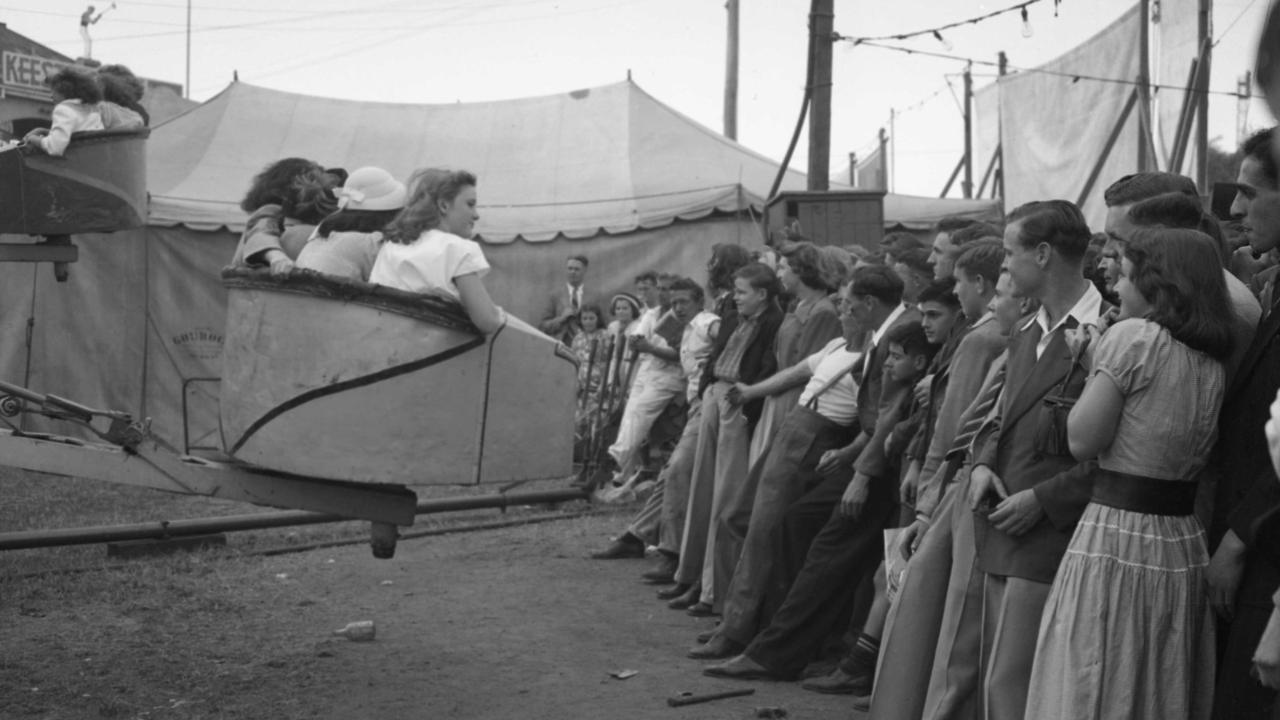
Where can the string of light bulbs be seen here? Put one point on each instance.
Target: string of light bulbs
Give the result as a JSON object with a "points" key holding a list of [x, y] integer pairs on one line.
{"points": [[936, 32]]}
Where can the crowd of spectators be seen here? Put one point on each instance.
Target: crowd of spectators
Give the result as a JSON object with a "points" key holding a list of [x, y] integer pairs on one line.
{"points": [[996, 472]]}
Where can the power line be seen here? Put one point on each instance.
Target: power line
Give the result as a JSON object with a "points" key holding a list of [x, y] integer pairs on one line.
{"points": [[1075, 77], [1233, 22], [315, 16]]}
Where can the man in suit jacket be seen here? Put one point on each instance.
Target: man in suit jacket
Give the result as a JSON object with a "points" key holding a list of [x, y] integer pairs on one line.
{"points": [[560, 316], [1241, 579], [915, 627], [1025, 487], [833, 534]]}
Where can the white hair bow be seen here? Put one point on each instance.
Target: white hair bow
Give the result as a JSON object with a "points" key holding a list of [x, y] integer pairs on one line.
{"points": [[348, 195]]}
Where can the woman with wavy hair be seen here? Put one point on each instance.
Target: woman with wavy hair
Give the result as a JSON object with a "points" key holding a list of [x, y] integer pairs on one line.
{"points": [[1127, 631], [285, 201], [77, 93], [427, 247]]}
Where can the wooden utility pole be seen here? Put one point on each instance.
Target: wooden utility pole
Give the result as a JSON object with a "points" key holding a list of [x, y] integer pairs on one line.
{"points": [[731, 73], [1202, 102], [1144, 83], [893, 149], [821, 24], [967, 185], [883, 172]]}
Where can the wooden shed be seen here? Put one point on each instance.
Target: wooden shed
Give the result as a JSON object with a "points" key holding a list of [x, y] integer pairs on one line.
{"points": [[830, 217]]}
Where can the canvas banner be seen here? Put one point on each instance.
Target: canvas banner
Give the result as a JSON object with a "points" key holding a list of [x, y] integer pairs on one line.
{"points": [[1175, 34], [1055, 122]]}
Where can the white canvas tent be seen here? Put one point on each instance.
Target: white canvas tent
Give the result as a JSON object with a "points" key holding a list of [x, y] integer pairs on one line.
{"points": [[608, 172]]}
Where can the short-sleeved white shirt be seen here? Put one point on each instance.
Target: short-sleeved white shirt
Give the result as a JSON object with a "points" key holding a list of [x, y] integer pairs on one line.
{"points": [[429, 263], [840, 403], [695, 348]]}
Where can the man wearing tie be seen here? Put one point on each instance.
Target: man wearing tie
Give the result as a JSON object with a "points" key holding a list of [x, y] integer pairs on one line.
{"points": [[1026, 490], [560, 319]]}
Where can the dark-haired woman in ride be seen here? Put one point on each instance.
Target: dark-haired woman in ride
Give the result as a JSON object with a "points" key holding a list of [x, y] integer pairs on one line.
{"points": [[285, 202], [428, 247], [123, 89], [77, 94], [1127, 630]]}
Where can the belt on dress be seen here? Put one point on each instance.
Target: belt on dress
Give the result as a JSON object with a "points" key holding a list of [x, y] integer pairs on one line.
{"points": [[1143, 494]]}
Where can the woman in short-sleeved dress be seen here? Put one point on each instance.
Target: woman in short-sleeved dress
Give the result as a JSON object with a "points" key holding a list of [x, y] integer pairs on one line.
{"points": [[1127, 630], [426, 248]]}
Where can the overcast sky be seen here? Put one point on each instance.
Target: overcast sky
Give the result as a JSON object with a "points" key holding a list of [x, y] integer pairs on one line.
{"points": [[432, 51]]}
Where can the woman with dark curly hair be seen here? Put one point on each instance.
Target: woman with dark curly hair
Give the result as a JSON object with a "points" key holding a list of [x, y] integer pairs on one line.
{"points": [[122, 87], [1128, 630], [427, 248], [77, 94], [288, 196]]}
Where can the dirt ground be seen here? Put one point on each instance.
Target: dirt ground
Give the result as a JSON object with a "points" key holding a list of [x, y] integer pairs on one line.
{"points": [[510, 623]]}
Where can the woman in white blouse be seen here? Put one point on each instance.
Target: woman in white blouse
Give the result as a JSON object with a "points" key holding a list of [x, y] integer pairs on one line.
{"points": [[428, 247]]}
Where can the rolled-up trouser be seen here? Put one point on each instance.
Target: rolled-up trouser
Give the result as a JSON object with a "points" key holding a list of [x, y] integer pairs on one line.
{"points": [[721, 457], [649, 396], [661, 521], [786, 471]]}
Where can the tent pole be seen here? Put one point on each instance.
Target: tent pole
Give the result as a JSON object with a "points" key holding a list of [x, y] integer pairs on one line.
{"points": [[731, 74], [967, 185], [997, 185], [951, 180], [1144, 83], [30, 334], [1106, 149]]}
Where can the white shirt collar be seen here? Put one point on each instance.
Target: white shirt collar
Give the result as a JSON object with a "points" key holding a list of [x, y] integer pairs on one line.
{"points": [[1085, 311], [884, 326]]}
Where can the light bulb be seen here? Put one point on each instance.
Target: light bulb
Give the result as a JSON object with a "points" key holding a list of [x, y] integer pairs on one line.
{"points": [[945, 42], [1026, 23]]}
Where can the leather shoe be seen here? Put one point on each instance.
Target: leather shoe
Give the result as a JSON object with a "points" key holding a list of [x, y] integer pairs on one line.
{"points": [[705, 637], [739, 668], [840, 682], [664, 573], [623, 547], [688, 599], [702, 609], [716, 648], [673, 592]]}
